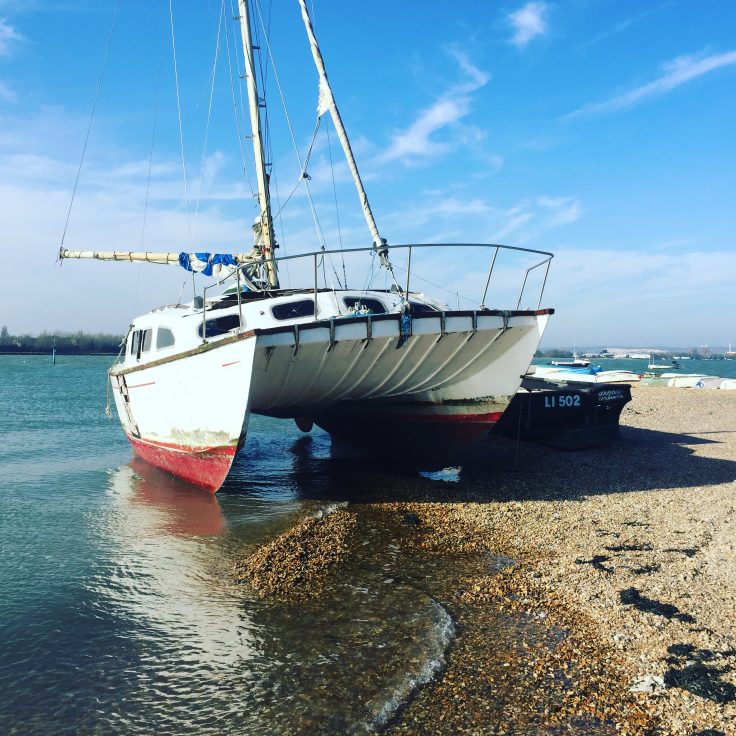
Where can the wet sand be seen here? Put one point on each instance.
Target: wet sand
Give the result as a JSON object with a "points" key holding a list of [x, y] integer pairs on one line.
{"points": [[617, 610]]}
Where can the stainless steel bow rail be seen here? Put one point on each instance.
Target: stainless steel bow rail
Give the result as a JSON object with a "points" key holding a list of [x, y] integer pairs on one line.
{"points": [[319, 255]]}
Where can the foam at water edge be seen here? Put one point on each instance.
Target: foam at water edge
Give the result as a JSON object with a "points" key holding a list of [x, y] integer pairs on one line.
{"points": [[443, 633], [327, 510], [448, 475]]}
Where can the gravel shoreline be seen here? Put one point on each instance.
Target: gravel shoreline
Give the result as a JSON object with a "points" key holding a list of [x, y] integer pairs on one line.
{"points": [[624, 564]]}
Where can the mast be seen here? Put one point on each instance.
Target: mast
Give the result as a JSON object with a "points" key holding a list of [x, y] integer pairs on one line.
{"points": [[265, 237], [327, 102]]}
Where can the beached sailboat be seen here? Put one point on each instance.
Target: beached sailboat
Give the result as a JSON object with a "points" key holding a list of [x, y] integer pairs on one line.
{"points": [[391, 369]]}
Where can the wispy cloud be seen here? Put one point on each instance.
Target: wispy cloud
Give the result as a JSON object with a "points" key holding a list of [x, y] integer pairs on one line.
{"points": [[532, 218], [591, 288], [461, 215], [528, 23], [419, 140], [8, 37], [621, 26], [676, 72]]}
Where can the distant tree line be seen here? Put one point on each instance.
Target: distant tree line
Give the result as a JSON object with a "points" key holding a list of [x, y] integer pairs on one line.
{"points": [[553, 353], [695, 353], [69, 343]]}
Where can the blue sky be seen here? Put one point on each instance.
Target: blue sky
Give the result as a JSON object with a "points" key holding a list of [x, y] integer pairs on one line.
{"points": [[601, 131]]}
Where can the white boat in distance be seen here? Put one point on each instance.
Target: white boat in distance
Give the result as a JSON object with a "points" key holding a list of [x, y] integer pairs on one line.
{"points": [[389, 369], [575, 362], [580, 375], [654, 366]]}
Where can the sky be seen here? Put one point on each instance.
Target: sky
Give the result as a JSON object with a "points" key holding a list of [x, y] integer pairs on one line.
{"points": [[601, 131]]}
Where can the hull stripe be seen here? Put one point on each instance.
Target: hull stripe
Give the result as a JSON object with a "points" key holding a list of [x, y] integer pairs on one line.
{"points": [[488, 418], [205, 467]]}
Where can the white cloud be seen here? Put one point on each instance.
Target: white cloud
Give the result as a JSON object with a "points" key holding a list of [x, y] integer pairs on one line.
{"points": [[528, 23], [628, 295], [677, 72], [459, 216], [8, 36], [621, 26], [420, 139], [532, 218]]}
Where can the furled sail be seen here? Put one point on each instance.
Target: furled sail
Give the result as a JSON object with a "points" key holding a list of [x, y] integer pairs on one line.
{"points": [[209, 264]]}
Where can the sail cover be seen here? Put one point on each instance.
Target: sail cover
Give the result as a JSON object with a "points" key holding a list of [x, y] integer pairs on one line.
{"points": [[325, 98], [209, 264]]}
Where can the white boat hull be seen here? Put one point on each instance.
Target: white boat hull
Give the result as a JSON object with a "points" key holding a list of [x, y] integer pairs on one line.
{"points": [[442, 386]]}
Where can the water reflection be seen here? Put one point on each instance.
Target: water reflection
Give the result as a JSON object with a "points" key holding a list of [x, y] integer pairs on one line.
{"points": [[162, 580], [183, 510], [209, 658]]}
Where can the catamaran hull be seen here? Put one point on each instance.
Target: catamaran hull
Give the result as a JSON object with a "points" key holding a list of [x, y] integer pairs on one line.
{"points": [[430, 435], [188, 413], [426, 392]]}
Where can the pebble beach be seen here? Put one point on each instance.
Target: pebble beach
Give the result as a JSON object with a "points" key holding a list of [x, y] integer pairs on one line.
{"points": [[598, 593]]}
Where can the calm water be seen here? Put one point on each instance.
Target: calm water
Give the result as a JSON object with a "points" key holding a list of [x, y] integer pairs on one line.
{"points": [[117, 612], [722, 368]]}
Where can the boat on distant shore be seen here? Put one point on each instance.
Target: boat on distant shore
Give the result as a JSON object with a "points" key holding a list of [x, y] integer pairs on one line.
{"points": [[591, 374], [653, 366], [575, 362]]}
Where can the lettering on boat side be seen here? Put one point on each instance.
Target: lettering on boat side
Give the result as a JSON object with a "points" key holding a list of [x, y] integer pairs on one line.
{"points": [[562, 401], [611, 395]]}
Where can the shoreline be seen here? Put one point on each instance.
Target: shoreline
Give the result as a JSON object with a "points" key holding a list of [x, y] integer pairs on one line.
{"points": [[628, 549], [59, 354]]}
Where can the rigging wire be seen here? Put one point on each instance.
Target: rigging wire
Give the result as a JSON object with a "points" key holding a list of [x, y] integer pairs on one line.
{"points": [[236, 112], [209, 110], [91, 118], [303, 173], [150, 167], [334, 191], [275, 189], [302, 169], [303, 176], [181, 131], [241, 87], [150, 155], [456, 294], [266, 131]]}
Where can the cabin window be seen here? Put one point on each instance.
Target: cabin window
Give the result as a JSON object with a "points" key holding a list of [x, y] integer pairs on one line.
{"points": [[164, 338], [364, 305], [419, 307], [220, 325], [140, 342], [293, 310]]}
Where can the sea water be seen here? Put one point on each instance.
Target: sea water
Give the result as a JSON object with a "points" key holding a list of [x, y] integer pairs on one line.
{"points": [[724, 368], [118, 610]]}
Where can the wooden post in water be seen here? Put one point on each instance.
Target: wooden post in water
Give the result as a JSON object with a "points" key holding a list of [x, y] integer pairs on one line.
{"points": [[53, 355]]}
